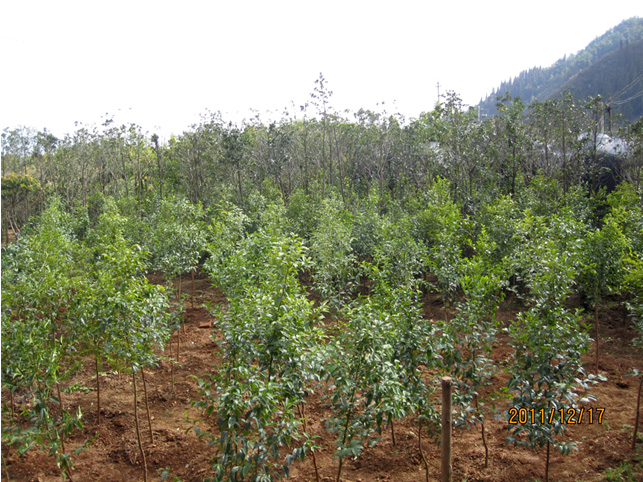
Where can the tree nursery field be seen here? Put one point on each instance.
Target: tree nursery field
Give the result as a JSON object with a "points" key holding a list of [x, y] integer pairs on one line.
{"points": [[603, 449], [282, 301]]}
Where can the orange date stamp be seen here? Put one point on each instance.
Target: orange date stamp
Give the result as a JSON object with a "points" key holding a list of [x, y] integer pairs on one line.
{"points": [[562, 415]]}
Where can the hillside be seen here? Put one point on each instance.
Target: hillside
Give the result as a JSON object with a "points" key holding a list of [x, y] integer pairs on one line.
{"points": [[618, 75], [611, 65]]}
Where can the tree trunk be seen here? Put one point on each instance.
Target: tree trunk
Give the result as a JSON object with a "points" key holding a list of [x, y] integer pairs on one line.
{"points": [[341, 460], [62, 409], [426, 463], [193, 289], [147, 406], [302, 413], [97, 390], [484, 437], [596, 325], [547, 465], [638, 409], [138, 431]]}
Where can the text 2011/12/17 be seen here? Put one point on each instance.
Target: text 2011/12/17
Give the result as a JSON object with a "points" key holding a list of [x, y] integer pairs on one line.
{"points": [[563, 415]]}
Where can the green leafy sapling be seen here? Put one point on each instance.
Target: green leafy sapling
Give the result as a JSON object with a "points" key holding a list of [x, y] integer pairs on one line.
{"points": [[601, 268], [469, 336], [546, 374]]}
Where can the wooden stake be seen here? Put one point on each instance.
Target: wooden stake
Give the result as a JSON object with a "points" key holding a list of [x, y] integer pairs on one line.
{"points": [[447, 470]]}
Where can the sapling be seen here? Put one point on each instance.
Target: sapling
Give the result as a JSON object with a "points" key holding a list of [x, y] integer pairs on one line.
{"points": [[546, 374], [334, 271], [255, 423], [469, 336], [39, 336], [364, 378], [129, 316], [394, 272], [440, 226], [633, 282], [138, 430], [177, 238], [602, 267], [269, 333]]}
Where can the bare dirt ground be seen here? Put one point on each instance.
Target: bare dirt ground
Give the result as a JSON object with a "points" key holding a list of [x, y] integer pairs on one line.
{"points": [[603, 449]]}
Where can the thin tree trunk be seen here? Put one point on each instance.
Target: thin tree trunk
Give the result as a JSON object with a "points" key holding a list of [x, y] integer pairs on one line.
{"points": [[180, 301], [484, 437], [341, 460], [6, 470], [239, 185], [638, 409], [97, 390], [13, 405], [62, 435], [138, 431], [173, 389], [426, 463], [547, 465], [193, 289], [390, 422], [178, 344], [147, 406], [484, 442], [596, 325], [62, 409], [564, 160], [302, 413]]}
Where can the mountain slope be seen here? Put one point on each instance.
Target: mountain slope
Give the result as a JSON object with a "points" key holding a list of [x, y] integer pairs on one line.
{"points": [[617, 76], [607, 66]]}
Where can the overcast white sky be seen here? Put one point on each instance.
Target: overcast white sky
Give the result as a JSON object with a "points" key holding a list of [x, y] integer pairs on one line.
{"points": [[163, 64]]}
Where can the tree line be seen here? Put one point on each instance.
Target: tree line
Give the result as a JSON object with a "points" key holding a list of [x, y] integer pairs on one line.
{"points": [[322, 153]]}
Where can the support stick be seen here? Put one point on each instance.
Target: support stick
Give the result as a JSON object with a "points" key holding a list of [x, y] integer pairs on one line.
{"points": [[447, 471]]}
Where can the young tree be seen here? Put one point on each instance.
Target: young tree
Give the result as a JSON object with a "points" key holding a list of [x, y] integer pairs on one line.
{"points": [[546, 374], [469, 336], [334, 271], [602, 256]]}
